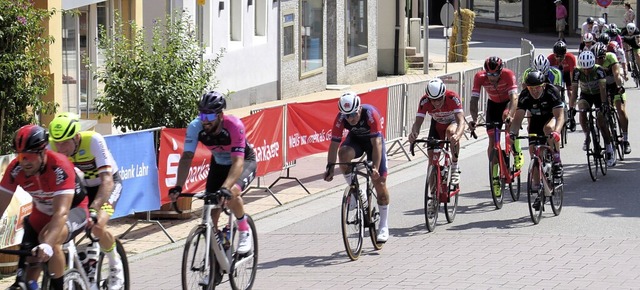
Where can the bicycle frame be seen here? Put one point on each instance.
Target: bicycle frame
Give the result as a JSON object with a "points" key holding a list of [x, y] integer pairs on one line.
{"points": [[440, 157], [497, 133], [540, 151]]}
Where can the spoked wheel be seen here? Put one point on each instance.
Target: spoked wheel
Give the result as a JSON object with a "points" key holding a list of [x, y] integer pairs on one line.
{"points": [[451, 204], [602, 162], [73, 280], [244, 266], [514, 185], [103, 269], [374, 223], [557, 195], [592, 162], [431, 203], [495, 182], [535, 198], [196, 273], [352, 223], [616, 136]]}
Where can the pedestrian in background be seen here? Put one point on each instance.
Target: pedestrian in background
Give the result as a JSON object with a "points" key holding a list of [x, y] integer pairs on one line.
{"points": [[629, 15], [561, 14]]}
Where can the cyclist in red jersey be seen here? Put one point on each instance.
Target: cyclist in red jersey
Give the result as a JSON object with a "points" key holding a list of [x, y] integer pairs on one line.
{"points": [[447, 120], [59, 210], [565, 62], [502, 88]]}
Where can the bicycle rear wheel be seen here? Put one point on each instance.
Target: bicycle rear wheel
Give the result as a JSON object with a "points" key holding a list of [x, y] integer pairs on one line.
{"points": [[103, 269], [352, 223], [451, 203], [245, 266], [514, 189], [557, 195], [494, 182], [73, 281], [535, 198], [431, 203], [616, 135], [196, 274]]}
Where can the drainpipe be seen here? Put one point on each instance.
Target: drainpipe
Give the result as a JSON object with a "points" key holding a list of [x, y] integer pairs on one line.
{"points": [[396, 49]]}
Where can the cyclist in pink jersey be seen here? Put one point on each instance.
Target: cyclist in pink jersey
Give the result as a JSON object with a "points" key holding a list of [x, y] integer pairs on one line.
{"points": [[502, 88], [447, 120]]}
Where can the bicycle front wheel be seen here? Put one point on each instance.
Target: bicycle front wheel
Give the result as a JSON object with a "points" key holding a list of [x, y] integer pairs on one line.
{"points": [[616, 138], [73, 281], [103, 269], [451, 203], [431, 203], [514, 189], [495, 182], [374, 218], [196, 273], [245, 266], [535, 197], [352, 223], [557, 195]]}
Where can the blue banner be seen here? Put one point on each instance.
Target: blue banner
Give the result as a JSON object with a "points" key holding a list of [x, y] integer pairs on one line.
{"points": [[136, 158]]}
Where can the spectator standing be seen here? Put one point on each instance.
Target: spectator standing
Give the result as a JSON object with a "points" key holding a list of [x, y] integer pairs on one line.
{"points": [[561, 14], [629, 15]]}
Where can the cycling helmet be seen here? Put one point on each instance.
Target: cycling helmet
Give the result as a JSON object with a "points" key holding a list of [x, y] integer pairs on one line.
{"points": [[64, 127], [541, 63], [586, 59], [349, 103], [588, 37], [31, 138], [613, 27], [435, 89], [560, 48], [535, 78], [604, 38], [601, 21], [493, 64], [631, 27], [613, 47], [212, 102], [590, 20], [599, 49]]}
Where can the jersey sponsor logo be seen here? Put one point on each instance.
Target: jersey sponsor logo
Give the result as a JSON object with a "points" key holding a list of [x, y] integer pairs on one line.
{"points": [[423, 102], [237, 149], [82, 152], [457, 100], [61, 176]]}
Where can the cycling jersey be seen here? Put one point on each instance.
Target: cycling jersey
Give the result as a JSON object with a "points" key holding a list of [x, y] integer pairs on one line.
{"points": [[231, 141], [568, 63], [610, 59], [92, 157], [589, 82], [446, 113], [500, 92], [369, 125], [57, 177], [554, 76], [550, 99], [630, 39]]}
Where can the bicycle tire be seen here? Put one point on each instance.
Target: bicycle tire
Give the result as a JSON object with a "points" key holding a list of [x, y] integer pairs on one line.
{"points": [[535, 214], [514, 176], [73, 281], [593, 150], [616, 133], [557, 196], [431, 203], [103, 283], [244, 277], [451, 203], [374, 219], [498, 200], [352, 222], [197, 241], [636, 74]]}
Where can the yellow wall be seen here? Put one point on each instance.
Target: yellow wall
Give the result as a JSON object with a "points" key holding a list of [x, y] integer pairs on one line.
{"points": [[54, 28]]}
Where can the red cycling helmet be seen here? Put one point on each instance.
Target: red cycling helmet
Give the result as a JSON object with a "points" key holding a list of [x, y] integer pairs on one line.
{"points": [[493, 64], [31, 138]]}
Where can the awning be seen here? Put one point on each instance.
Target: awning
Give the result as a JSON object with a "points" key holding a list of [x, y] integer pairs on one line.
{"points": [[71, 4]]}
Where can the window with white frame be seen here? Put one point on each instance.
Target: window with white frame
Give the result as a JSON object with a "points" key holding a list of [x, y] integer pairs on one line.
{"points": [[235, 18], [356, 28], [311, 35]]}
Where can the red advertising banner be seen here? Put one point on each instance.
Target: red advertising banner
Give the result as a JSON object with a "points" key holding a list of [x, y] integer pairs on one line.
{"points": [[309, 124], [264, 131], [171, 146]]}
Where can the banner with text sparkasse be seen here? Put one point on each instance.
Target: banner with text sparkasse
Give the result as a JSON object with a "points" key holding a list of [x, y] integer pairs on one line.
{"points": [[171, 146], [309, 124], [264, 131]]}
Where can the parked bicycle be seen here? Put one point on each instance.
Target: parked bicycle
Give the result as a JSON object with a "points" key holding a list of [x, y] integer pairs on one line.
{"points": [[359, 210], [548, 186], [595, 151], [438, 187], [210, 253], [507, 171]]}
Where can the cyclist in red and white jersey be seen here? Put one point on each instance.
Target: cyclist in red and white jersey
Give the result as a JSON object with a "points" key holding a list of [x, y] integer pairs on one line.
{"points": [[447, 120], [59, 210], [502, 88], [565, 62]]}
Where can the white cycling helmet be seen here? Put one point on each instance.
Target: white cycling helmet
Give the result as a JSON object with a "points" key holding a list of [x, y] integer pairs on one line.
{"points": [[435, 89], [588, 37], [631, 27], [601, 21], [541, 63], [349, 103], [586, 59]]}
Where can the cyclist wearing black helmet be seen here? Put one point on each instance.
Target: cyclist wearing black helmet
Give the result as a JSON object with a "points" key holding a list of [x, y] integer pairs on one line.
{"points": [[233, 164], [565, 62], [545, 105]]}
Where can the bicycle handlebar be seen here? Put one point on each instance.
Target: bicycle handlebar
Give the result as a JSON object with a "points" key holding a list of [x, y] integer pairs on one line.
{"points": [[201, 195], [17, 252], [430, 142]]}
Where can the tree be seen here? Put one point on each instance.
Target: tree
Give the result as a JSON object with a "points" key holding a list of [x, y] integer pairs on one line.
{"points": [[24, 67], [156, 84]]}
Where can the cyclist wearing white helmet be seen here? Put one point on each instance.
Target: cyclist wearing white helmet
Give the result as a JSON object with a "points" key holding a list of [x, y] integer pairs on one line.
{"points": [[588, 39], [588, 26], [365, 136], [447, 120], [630, 36], [593, 85], [542, 64]]}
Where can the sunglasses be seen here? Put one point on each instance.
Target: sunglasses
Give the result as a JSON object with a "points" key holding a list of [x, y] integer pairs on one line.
{"points": [[352, 115], [437, 100], [559, 55], [208, 117], [28, 156], [495, 74]]}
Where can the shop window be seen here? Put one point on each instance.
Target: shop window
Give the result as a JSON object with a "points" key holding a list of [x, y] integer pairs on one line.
{"points": [[356, 28], [311, 35]]}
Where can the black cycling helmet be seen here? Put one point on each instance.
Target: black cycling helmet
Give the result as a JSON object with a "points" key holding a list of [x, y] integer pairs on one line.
{"points": [[599, 50], [31, 138], [560, 48], [604, 38], [535, 78], [493, 64], [590, 20], [212, 102]]}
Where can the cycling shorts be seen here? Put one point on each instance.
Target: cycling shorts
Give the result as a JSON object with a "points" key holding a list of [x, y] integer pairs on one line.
{"points": [[536, 125], [363, 145], [218, 174], [495, 112], [36, 221], [593, 100], [566, 77], [438, 131], [611, 91], [109, 205]]}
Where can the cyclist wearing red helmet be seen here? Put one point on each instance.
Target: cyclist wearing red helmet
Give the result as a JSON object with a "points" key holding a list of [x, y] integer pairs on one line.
{"points": [[59, 210], [502, 89]]}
